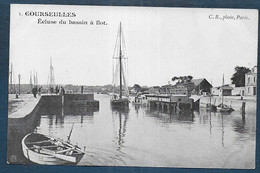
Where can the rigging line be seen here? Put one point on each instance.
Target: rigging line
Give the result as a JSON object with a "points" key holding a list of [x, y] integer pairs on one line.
{"points": [[116, 74], [116, 45], [125, 83], [124, 45]]}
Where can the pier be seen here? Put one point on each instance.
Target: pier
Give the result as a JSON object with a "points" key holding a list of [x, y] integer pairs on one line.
{"points": [[26, 104], [170, 103]]}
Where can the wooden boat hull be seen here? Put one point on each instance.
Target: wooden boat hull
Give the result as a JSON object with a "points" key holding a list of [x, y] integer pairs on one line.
{"points": [[120, 103], [45, 159], [212, 108]]}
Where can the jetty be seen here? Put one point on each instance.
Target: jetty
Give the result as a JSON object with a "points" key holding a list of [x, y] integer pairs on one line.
{"points": [[27, 104], [170, 103]]}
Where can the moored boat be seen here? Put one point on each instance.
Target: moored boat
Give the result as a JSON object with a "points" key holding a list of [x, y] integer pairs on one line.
{"points": [[119, 56], [223, 107], [45, 150]]}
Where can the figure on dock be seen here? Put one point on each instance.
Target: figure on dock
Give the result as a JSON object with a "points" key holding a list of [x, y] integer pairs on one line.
{"points": [[57, 89], [34, 91], [62, 91], [51, 90], [39, 91]]}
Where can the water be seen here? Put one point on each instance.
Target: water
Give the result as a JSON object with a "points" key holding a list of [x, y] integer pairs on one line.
{"points": [[140, 137]]}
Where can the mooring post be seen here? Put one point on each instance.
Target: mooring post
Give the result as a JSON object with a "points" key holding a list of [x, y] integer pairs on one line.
{"points": [[62, 100], [243, 109], [82, 89], [168, 107], [178, 107], [162, 107]]}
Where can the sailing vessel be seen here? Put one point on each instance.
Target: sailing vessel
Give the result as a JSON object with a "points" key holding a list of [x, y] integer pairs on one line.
{"points": [[223, 107], [120, 100], [211, 107], [45, 150]]}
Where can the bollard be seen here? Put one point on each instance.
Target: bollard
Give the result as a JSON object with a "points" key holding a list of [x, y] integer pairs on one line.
{"points": [[243, 109], [162, 105]]}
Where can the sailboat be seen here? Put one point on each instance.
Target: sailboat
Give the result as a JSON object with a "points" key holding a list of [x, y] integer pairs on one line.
{"points": [[120, 58], [223, 107], [210, 106]]}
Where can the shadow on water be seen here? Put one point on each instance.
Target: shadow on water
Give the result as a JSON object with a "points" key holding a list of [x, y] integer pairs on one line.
{"points": [[20, 127], [184, 117]]}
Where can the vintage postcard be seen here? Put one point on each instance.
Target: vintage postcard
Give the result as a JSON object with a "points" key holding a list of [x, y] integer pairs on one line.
{"points": [[132, 86]]}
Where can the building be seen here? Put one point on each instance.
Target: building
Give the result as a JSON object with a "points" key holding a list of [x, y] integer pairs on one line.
{"points": [[238, 91], [226, 89], [154, 90], [201, 86], [251, 82]]}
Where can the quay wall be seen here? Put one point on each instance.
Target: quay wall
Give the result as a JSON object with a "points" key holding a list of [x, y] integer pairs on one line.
{"points": [[234, 101]]}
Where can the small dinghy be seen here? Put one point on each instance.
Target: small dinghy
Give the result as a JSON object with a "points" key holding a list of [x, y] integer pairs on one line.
{"points": [[41, 149]]}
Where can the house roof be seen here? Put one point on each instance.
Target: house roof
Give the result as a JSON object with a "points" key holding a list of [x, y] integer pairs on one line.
{"points": [[198, 81], [225, 87], [248, 73], [166, 86]]}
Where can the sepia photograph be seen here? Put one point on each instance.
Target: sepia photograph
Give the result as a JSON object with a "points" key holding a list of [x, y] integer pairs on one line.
{"points": [[132, 86]]}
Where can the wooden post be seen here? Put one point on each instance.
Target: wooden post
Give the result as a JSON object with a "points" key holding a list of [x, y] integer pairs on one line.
{"points": [[178, 108], [82, 89], [62, 100], [157, 105], [162, 107], [243, 109], [19, 77], [168, 107]]}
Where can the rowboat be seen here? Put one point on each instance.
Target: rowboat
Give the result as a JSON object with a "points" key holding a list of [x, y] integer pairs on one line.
{"points": [[45, 150]]}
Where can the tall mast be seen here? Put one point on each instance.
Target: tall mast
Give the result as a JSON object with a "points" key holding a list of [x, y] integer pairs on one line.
{"points": [[31, 85], [120, 63], [222, 92], [51, 75], [11, 78]]}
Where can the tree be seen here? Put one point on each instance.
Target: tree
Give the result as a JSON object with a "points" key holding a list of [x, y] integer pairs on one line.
{"points": [[182, 79], [137, 87], [238, 77]]}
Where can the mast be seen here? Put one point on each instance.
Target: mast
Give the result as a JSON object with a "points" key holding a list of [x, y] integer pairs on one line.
{"points": [[31, 85], [222, 92], [120, 63], [51, 75], [11, 79]]}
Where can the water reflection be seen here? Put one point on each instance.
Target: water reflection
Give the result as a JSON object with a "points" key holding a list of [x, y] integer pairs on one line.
{"points": [[187, 117], [18, 128], [122, 115], [140, 136]]}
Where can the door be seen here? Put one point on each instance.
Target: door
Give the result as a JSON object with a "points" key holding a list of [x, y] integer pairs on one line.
{"points": [[254, 91]]}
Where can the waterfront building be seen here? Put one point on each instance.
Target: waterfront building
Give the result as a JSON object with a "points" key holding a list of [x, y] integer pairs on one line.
{"points": [[250, 82], [201, 86], [226, 89], [237, 91], [154, 90]]}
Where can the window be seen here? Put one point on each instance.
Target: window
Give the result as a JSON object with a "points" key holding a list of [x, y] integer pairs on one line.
{"points": [[248, 80], [254, 79], [248, 90]]}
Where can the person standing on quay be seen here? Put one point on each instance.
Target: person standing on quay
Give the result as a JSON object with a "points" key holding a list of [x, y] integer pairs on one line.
{"points": [[34, 91], [62, 91], [39, 91], [57, 89]]}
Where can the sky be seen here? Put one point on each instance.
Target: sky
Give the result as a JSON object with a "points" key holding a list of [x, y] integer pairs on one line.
{"points": [[160, 42]]}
